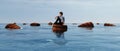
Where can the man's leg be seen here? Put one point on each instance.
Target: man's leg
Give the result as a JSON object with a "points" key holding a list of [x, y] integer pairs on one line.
{"points": [[56, 22]]}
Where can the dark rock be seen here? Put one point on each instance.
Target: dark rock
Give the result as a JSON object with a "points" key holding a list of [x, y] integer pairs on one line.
{"points": [[50, 23], [108, 24], [34, 24], [12, 26], [24, 23], [97, 23], [87, 24]]}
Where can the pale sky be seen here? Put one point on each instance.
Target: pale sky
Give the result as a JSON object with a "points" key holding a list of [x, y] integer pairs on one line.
{"points": [[44, 11]]}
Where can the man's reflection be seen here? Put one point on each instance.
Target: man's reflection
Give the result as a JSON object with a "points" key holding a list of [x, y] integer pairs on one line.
{"points": [[60, 40], [59, 34]]}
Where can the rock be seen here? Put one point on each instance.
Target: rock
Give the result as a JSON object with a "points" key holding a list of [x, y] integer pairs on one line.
{"points": [[108, 24], [24, 23], [59, 28], [50, 23], [97, 23], [12, 26], [87, 24], [34, 24]]}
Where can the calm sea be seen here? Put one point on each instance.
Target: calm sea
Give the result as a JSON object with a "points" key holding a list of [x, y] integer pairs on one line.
{"points": [[42, 38]]}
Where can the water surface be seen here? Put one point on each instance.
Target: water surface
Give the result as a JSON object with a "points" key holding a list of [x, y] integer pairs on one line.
{"points": [[42, 38]]}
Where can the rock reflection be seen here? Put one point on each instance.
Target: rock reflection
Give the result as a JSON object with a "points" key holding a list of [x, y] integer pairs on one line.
{"points": [[88, 28]]}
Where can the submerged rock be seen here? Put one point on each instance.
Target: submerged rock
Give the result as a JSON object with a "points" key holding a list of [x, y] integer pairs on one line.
{"points": [[50, 23], [74, 23], [12, 26], [108, 24], [97, 23], [24, 23], [34, 24], [59, 28], [87, 24]]}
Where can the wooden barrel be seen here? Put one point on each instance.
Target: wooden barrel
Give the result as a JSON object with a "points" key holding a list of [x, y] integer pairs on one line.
{"points": [[59, 28]]}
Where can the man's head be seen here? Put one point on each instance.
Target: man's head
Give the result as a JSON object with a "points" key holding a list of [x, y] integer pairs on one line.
{"points": [[60, 13]]}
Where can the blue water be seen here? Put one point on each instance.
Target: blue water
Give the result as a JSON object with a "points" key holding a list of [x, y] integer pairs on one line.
{"points": [[42, 38]]}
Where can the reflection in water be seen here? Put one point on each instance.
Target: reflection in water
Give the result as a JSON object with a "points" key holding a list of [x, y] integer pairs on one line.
{"points": [[59, 34], [60, 40], [88, 28]]}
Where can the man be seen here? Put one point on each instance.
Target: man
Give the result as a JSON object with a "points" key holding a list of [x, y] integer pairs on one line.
{"points": [[60, 19]]}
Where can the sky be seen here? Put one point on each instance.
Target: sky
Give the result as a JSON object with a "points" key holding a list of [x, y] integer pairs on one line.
{"points": [[44, 11]]}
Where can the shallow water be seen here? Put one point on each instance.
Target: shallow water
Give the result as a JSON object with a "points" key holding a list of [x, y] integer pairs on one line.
{"points": [[42, 38]]}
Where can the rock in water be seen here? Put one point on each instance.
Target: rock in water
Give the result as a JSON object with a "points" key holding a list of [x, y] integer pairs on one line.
{"points": [[34, 24], [97, 23], [87, 24], [108, 24], [12, 26], [24, 23], [59, 28], [50, 23]]}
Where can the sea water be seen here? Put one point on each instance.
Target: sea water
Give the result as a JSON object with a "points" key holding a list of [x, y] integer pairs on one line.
{"points": [[42, 38]]}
